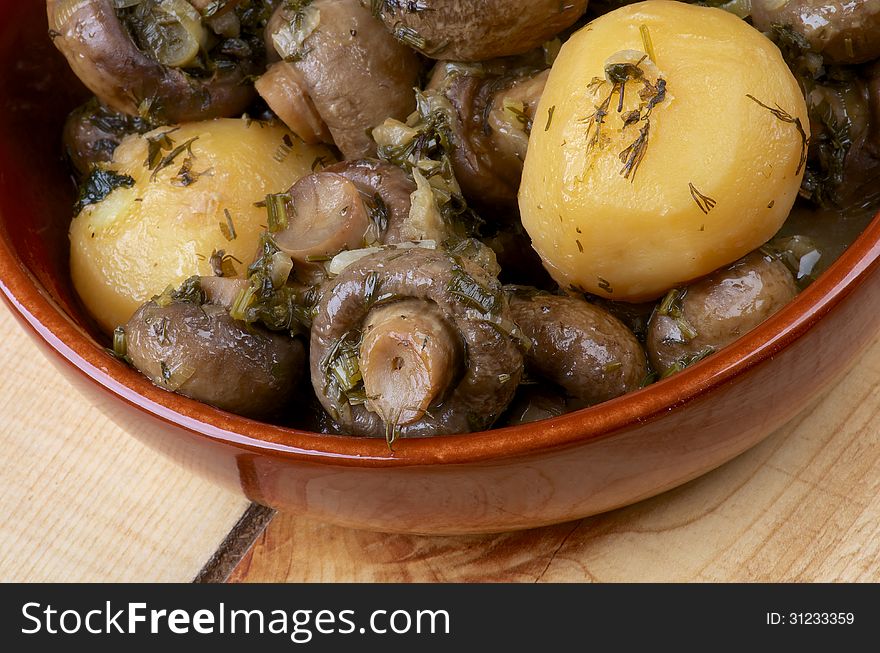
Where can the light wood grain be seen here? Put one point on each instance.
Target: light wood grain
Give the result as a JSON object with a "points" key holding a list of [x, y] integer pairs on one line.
{"points": [[804, 505], [81, 499]]}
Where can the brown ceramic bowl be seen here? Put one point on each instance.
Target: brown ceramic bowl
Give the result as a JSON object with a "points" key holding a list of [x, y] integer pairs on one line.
{"points": [[560, 469]]}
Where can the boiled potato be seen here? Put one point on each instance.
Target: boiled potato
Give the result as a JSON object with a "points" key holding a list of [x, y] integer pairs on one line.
{"points": [[697, 165], [163, 227]]}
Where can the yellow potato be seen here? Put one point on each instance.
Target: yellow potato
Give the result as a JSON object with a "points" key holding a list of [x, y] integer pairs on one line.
{"points": [[161, 230], [705, 172]]}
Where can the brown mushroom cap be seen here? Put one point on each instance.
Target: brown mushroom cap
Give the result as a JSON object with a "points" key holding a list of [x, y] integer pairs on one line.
{"points": [[843, 31], [494, 104], [354, 72], [103, 55], [579, 347], [463, 30], [468, 299], [719, 309], [284, 90], [387, 189], [326, 216], [202, 353]]}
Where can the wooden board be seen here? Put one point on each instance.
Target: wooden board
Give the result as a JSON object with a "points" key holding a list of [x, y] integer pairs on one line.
{"points": [[804, 505], [82, 500]]}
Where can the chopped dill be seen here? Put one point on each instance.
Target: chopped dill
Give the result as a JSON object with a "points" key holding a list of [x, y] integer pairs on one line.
{"points": [[671, 306], [686, 361], [650, 95], [786, 117], [283, 150], [168, 159], [120, 345], [704, 202], [517, 111], [186, 176], [378, 211], [612, 367], [606, 286], [228, 228], [646, 41], [222, 264], [549, 117], [276, 206], [467, 288], [320, 161], [343, 381], [409, 36], [98, 185], [632, 156]]}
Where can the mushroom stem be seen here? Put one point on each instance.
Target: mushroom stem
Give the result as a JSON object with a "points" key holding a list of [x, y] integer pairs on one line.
{"points": [[408, 358], [327, 216], [284, 90]]}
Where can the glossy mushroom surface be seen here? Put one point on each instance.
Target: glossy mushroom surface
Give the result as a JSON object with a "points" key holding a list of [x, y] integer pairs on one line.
{"points": [[341, 70], [462, 302], [473, 31], [104, 55]]}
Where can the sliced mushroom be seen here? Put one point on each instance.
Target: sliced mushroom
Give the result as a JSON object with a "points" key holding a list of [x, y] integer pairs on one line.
{"points": [[494, 105], [843, 31], [341, 69], [199, 351], [474, 31], [92, 132], [446, 320], [103, 54], [580, 347], [710, 314]]}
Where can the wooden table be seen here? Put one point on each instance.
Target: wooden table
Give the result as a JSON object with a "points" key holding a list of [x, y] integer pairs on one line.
{"points": [[82, 500]]}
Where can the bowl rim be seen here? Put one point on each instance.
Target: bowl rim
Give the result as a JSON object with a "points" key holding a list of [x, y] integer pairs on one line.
{"points": [[48, 321]]}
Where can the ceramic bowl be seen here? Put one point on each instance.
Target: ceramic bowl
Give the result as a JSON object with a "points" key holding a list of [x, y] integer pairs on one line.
{"points": [[560, 469]]}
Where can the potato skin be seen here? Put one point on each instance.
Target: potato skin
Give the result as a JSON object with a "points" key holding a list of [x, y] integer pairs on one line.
{"points": [[140, 240], [634, 238], [721, 308]]}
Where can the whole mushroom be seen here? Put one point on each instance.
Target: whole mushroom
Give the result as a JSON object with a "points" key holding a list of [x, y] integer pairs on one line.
{"points": [[697, 321], [579, 347], [414, 342], [342, 74], [160, 75], [194, 348], [459, 30], [494, 105], [843, 31]]}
